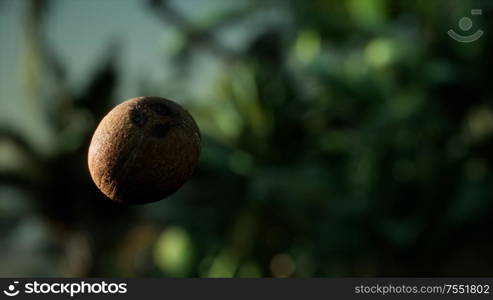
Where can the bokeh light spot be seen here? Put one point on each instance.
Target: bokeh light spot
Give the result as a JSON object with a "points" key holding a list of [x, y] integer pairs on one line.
{"points": [[240, 162], [307, 46], [379, 52], [282, 265]]}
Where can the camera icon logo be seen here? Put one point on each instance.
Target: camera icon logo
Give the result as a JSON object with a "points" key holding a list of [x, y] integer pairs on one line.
{"points": [[465, 24], [11, 291]]}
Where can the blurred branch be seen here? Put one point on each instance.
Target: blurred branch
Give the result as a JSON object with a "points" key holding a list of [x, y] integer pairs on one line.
{"points": [[33, 50], [203, 37], [97, 96]]}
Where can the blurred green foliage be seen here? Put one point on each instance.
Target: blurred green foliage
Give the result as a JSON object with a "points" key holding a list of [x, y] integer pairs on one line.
{"points": [[353, 138]]}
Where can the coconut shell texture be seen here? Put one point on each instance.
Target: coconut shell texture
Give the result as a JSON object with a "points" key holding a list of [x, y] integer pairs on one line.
{"points": [[144, 150]]}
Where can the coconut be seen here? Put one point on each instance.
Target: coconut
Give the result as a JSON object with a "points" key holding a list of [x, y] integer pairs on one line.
{"points": [[144, 150]]}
